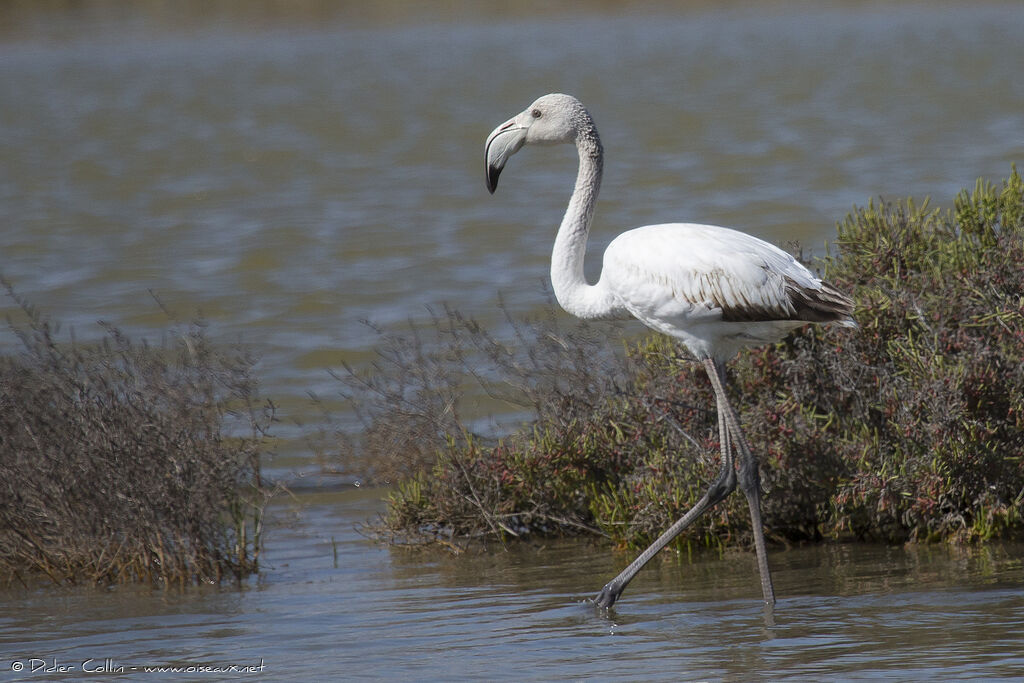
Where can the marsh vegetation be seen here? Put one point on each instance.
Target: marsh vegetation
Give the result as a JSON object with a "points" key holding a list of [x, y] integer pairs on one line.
{"points": [[122, 461], [910, 427]]}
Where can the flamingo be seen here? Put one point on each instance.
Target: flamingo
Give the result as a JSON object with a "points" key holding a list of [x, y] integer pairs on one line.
{"points": [[715, 290]]}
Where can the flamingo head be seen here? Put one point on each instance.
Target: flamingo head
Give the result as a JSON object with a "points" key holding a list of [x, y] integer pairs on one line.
{"points": [[552, 119]]}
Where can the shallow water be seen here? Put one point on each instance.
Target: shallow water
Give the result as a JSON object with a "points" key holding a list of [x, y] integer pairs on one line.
{"points": [[522, 614], [290, 174]]}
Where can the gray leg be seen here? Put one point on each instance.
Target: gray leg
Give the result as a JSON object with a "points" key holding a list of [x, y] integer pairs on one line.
{"points": [[724, 484], [749, 480]]}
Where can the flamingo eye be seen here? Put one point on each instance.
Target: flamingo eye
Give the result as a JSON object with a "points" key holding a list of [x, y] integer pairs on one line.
{"points": [[535, 113]]}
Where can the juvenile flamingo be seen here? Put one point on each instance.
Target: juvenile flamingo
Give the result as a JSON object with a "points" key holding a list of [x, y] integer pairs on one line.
{"points": [[714, 289]]}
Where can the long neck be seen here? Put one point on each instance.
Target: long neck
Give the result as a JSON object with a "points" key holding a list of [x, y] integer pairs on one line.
{"points": [[572, 291]]}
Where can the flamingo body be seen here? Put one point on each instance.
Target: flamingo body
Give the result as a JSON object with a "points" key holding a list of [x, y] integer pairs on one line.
{"points": [[714, 289]]}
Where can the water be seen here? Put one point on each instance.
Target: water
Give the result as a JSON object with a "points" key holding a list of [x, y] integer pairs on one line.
{"points": [[408, 614], [289, 174]]}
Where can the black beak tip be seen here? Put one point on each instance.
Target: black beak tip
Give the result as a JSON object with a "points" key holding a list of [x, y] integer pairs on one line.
{"points": [[492, 178]]}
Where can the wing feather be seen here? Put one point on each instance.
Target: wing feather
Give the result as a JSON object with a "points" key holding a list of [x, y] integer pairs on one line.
{"points": [[692, 270]]}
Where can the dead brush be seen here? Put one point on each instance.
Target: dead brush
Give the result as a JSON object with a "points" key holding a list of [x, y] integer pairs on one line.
{"points": [[124, 462]]}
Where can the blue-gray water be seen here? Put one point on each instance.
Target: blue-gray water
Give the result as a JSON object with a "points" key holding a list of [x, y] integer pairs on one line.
{"points": [[289, 176], [386, 613]]}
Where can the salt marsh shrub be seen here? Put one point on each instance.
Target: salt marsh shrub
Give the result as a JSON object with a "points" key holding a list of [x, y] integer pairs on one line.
{"points": [[910, 427], [122, 462]]}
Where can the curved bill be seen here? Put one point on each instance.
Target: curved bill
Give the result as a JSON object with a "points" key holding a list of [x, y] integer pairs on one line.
{"points": [[503, 142]]}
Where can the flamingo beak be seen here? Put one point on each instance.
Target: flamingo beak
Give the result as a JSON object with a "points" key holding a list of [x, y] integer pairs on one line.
{"points": [[503, 142]]}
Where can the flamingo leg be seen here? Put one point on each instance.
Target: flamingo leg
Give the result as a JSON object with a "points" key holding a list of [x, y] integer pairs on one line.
{"points": [[721, 487], [749, 479]]}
